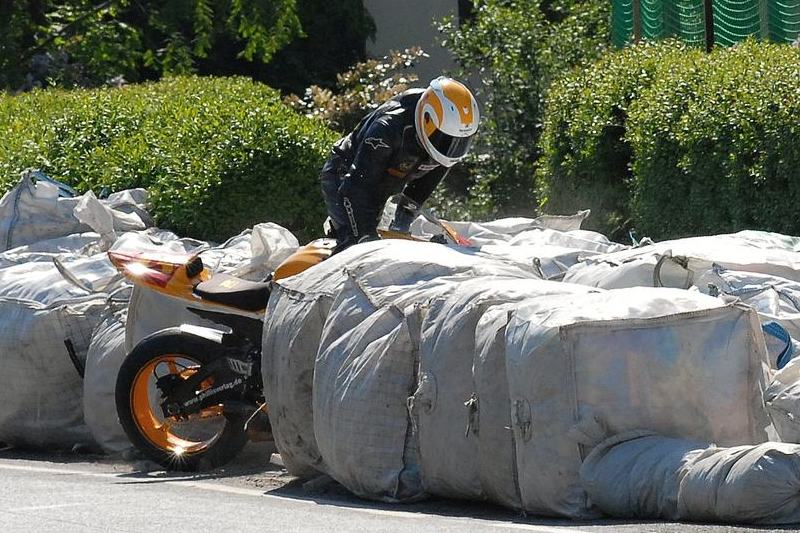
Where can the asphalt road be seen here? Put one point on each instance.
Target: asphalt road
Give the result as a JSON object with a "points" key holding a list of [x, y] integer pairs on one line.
{"points": [[65, 494]]}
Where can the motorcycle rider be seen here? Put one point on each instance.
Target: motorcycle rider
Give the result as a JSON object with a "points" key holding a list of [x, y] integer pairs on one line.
{"points": [[407, 145]]}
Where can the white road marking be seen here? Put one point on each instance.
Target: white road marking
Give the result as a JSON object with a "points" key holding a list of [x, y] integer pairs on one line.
{"points": [[213, 487], [43, 507]]}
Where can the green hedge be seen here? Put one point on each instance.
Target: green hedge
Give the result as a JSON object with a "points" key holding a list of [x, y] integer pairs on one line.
{"points": [[717, 144], [585, 153], [677, 142], [217, 154]]}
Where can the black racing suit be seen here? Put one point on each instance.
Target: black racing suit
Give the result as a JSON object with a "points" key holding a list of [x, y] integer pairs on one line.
{"points": [[381, 157]]}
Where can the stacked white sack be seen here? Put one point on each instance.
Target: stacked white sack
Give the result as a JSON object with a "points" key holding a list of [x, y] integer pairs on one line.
{"points": [[103, 359], [463, 447], [689, 365], [36, 210], [253, 253], [672, 361], [356, 283], [52, 296], [683, 260], [782, 401], [642, 475], [547, 245], [776, 299]]}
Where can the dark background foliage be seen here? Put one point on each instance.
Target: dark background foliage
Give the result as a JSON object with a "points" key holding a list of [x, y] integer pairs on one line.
{"points": [[288, 44], [515, 49]]}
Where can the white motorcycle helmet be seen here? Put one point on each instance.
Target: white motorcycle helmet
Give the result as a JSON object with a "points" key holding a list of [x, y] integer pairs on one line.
{"points": [[446, 120]]}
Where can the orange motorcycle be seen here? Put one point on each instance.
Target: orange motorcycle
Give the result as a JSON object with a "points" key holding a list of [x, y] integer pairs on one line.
{"points": [[188, 396]]}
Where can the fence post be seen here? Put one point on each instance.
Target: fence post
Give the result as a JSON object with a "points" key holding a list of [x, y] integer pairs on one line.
{"points": [[709, 11], [763, 15], [637, 20]]}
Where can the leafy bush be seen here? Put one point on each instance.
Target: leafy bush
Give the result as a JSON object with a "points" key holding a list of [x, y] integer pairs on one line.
{"points": [[715, 143], [217, 154], [677, 142], [84, 42], [359, 90], [517, 47], [586, 156]]}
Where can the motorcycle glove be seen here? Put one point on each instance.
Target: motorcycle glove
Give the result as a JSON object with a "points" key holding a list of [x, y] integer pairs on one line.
{"points": [[406, 213]]}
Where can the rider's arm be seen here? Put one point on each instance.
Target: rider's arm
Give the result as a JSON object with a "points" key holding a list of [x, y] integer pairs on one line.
{"points": [[363, 194], [414, 195], [420, 189]]}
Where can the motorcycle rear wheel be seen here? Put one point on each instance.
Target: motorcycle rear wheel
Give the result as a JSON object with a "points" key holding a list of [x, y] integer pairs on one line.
{"points": [[204, 441]]}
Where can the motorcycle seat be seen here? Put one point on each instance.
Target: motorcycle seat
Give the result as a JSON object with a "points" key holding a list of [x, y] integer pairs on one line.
{"points": [[234, 292]]}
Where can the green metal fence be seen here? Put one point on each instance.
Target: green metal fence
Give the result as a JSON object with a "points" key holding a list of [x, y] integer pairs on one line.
{"points": [[730, 21]]}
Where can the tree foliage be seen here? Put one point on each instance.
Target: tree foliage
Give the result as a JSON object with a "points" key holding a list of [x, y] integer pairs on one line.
{"points": [[87, 42], [516, 48], [359, 90]]}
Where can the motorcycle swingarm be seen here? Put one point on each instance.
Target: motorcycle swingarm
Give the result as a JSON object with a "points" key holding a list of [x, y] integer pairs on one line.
{"points": [[183, 396]]}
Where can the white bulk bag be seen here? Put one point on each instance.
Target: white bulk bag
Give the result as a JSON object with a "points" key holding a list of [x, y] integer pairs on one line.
{"points": [[361, 385], [292, 332], [496, 449], [645, 270], [782, 401], [501, 230], [587, 241], [641, 475], [447, 407], [38, 208], [104, 358], [666, 360], [774, 298], [636, 474], [41, 394], [748, 251], [45, 305], [753, 484]]}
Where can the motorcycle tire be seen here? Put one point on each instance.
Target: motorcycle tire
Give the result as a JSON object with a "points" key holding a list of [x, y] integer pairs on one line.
{"points": [[145, 425]]}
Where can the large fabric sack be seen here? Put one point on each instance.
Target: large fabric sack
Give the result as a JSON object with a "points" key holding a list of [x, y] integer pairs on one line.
{"points": [[500, 230], [361, 384], [496, 448], [775, 298], [546, 230], [41, 397], [328, 300], [546, 261], [48, 314], [665, 360], [292, 332], [782, 401], [636, 474], [448, 405], [677, 263], [38, 208], [103, 360], [754, 484], [641, 475]]}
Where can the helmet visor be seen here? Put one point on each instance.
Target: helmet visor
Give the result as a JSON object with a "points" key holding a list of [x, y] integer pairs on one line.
{"points": [[449, 146]]}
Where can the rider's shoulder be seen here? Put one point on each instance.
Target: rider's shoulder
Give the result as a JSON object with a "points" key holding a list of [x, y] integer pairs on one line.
{"points": [[399, 107]]}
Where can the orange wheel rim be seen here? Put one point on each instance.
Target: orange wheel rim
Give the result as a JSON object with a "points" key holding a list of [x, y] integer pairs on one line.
{"points": [[159, 430]]}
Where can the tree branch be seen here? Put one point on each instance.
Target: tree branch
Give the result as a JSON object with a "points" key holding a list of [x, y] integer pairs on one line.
{"points": [[66, 29]]}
